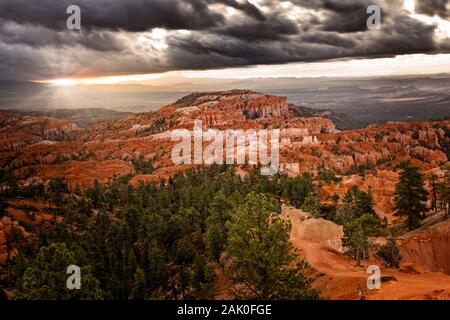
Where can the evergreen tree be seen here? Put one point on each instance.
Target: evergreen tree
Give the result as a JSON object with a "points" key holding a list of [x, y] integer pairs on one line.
{"points": [[46, 277], [356, 203], [390, 254], [215, 242], [345, 214], [312, 204], [203, 279], [262, 256], [21, 264], [357, 234], [433, 185], [444, 192], [216, 237], [410, 194], [355, 240], [138, 290], [298, 188], [360, 222]]}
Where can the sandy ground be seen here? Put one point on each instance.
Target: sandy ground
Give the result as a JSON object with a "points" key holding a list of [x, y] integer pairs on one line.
{"points": [[339, 278]]}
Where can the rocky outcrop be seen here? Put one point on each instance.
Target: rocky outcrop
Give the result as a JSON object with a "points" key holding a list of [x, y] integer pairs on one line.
{"points": [[304, 226], [381, 184], [40, 148], [82, 174]]}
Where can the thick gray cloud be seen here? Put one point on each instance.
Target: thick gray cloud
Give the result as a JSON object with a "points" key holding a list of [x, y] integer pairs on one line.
{"points": [[433, 7], [340, 32], [38, 36], [129, 15], [200, 34], [346, 16], [249, 8]]}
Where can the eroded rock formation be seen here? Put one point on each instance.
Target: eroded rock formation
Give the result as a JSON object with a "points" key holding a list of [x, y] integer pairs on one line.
{"points": [[37, 148], [429, 248], [305, 227]]}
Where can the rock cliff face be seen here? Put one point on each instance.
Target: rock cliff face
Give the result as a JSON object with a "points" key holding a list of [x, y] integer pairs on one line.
{"points": [[320, 231], [429, 248], [243, 109], [37, 148], [17, 131], [381, 184]]}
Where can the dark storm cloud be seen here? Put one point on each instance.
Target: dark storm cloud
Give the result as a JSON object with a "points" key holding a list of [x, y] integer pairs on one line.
{"points": [[34, 36], [37, 36], [346, 16], [321, 42], [334, 39], [275, 29], [129, 15], [249, 8], [407, 36], [433, 7]]}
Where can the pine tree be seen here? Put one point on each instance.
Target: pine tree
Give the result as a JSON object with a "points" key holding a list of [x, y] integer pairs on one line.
{"points": [[298, 188], [345, 214], [433, 192], [390, 254], [355, 240], [203, 280], [138, 290], [130, 267], [216, 236], [410, 194], [46, 277], [360, 222], [357, 234], [356, 203], [262, 256], [312, 204], [444, 190], [215, 242]]}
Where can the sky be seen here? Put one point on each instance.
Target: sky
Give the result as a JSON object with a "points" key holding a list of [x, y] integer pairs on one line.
{"points": [[150, 41]]}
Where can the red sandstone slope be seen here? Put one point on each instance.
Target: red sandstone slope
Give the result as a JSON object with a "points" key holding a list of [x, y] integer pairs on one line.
{"points": [[319, 244], [428, 247], [41, 148]]}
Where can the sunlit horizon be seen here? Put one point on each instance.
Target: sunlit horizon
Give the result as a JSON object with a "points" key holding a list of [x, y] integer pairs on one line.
{"points": [[415, 64]]}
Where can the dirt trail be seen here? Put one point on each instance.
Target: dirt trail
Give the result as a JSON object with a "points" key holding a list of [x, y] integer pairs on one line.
{"points": [[341, 279]]}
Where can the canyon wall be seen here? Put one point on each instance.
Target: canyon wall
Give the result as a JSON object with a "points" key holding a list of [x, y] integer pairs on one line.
{"points": [[37, 149], [429, 248]]}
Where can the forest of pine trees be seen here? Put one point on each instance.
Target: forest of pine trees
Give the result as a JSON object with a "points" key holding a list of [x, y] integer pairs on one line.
{"points": [[163, 241], [173, 239]]}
